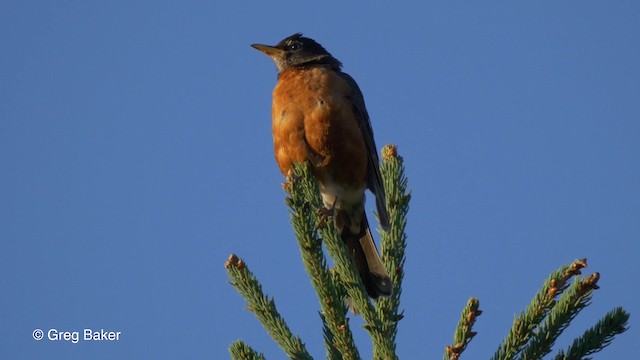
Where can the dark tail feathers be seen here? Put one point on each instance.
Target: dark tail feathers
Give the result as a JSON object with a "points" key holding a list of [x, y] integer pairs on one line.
{"points": [[372, 272]]}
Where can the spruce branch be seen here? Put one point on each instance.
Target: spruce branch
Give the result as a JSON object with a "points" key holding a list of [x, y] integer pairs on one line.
{"points": [[394, 242], [241, 351], [344, 264], [264, 308], [598, 337], [525, 324], [464, 334], [329, 341], [532, 336], [337, 333], [572, 301]]}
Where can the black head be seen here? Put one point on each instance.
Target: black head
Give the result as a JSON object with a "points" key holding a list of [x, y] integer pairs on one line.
{"points": [[298, 51]]}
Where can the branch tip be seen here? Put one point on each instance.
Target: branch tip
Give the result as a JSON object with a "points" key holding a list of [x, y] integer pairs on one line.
{"points": [[589, 283], [234, 261], [575, 267], [389, 151]]}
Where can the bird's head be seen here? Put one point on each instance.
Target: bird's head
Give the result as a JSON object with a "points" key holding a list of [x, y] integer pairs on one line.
{"points": [[298, 51]]}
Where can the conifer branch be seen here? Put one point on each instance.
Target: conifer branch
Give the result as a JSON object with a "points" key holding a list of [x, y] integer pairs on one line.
{"points": [[394, 242], [532, 336], [525, 324], [299, 188], [329, 341], [264, 308], [598, 337], [464, 334], [572, 301], [241, 351], [345, 266]]}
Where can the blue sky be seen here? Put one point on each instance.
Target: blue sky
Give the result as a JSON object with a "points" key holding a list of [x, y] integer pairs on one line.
{"points": [[136, 155]]}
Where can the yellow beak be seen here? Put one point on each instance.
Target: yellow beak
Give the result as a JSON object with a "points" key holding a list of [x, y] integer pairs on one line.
{"points": [[268, 50]]}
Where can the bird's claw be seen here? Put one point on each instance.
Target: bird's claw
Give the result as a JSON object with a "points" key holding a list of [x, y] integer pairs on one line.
{"points": [[326, 213]]}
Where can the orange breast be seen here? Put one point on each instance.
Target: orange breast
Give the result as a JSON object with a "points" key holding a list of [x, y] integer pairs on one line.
{"points": [[314, 120]]}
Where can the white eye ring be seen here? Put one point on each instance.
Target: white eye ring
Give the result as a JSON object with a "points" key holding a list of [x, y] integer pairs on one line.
{"points": [[294, 45]]}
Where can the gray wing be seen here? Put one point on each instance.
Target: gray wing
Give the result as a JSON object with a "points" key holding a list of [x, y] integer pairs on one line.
{"points": [[374, 179]]}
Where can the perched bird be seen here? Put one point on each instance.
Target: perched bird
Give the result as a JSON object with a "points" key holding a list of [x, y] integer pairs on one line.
{"points": [[319, 116]]}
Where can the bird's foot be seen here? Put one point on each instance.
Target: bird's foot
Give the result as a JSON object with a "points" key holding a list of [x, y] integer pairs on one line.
{"points": [[326, 214]]}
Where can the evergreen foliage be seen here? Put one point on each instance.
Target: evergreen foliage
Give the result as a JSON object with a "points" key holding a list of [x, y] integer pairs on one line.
{"points": [[562, 296]]}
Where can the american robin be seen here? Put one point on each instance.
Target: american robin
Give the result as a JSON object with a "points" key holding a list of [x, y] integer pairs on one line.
{"points": [[319, 116]]}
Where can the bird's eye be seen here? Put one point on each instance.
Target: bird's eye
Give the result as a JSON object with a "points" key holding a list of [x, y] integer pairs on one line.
{"points": [[294, 45]]}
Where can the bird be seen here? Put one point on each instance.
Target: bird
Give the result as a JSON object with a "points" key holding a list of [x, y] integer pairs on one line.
{"points": [[319, 116]]}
